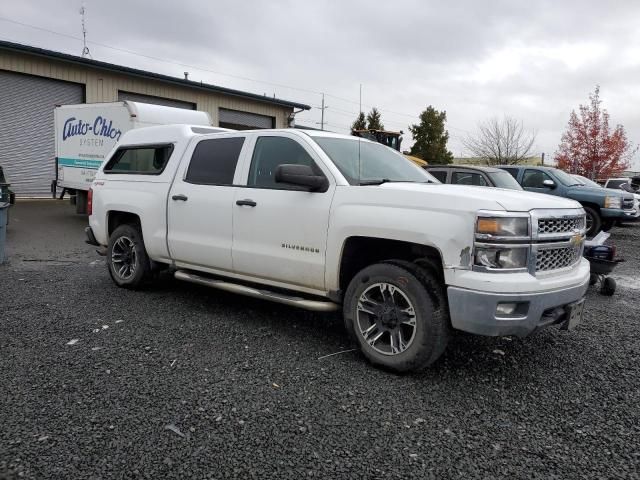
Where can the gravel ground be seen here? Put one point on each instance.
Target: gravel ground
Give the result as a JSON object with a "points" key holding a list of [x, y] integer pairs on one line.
{"points": [[181, 381]]}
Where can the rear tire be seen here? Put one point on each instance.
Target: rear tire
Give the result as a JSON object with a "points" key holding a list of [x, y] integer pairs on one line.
{"points": [[81, 202], [396, 312], [594, 222], [608, 287], [127, 259]]}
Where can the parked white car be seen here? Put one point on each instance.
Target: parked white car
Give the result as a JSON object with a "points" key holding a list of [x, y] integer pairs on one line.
{"points": [[325, 222]]}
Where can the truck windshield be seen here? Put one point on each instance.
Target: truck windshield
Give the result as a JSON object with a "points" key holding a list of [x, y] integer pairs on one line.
{"points": [[587, 182], [565, 178], [504, 179], [363, 162]]}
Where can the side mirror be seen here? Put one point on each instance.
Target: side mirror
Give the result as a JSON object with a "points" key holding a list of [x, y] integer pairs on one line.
{"points": [[301, 175], [549, 184]]}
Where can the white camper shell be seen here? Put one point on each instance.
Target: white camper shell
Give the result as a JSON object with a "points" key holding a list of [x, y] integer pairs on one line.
{"points": [[86, 134]]}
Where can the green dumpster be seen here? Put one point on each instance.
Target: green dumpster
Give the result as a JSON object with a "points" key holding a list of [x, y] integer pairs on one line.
{"points": [[4, 211]]}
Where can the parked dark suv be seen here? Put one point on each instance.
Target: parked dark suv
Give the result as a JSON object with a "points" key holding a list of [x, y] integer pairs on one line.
{"points": [[473, 175], [604, 206]]}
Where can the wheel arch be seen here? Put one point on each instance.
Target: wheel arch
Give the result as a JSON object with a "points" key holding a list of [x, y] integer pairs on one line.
{"points": [[359, 252], [592, 205], [115, 218]]}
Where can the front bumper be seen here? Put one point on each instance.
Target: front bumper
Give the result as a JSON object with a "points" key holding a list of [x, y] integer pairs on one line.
{"points": [[619, 214], [475, 312]]}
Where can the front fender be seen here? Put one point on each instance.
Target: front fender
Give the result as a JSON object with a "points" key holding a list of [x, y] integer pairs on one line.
{"points": [[450, 232]]}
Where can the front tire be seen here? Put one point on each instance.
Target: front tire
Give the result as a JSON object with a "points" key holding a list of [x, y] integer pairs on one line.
{"points": [[127, 259], [594, 222], [397, 314], [608, 225]]}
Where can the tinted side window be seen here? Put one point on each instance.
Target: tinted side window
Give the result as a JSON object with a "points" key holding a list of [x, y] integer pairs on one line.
{"points": [[468, 178], [534, 179], [147, 160], [512, 171], [270, 152], [214, 161], [439, 174]]}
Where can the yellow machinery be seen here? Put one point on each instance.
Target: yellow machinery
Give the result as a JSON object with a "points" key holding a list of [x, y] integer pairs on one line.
{"points": [[390, 139]]}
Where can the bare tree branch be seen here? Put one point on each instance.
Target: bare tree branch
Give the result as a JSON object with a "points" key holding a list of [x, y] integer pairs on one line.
{"points": [[501, 142]]}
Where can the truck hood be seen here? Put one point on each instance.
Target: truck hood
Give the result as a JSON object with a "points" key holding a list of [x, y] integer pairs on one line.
{"points": [[476, 198], [595, 192]]}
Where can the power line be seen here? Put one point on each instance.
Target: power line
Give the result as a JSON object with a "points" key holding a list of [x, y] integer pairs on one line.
{"points": [[215, 72], [151, 57]]}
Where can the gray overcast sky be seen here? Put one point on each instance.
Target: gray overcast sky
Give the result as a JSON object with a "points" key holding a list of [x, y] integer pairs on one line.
{"points": [[535, 61]]}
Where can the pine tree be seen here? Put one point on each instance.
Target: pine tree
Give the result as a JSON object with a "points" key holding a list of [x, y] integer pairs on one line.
{"points": [[374, 120], [431, 137], [360, 123]]}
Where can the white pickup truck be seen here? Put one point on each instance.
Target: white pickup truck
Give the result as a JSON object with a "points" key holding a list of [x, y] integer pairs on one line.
{"points": [[325, 222]]}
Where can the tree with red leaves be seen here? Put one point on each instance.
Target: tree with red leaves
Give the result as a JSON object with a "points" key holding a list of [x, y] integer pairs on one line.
{"points": [[589, 147]]}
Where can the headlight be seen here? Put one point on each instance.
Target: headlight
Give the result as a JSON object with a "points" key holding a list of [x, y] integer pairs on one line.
{"points": [[613, 202], [501, 257], [488, 227]]}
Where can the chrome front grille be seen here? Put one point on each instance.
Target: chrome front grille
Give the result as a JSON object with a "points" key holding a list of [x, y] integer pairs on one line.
{"points": [[560, 225], [555, 258]]}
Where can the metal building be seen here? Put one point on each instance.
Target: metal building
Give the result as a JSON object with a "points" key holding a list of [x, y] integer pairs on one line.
{"points": [[34, 80]]}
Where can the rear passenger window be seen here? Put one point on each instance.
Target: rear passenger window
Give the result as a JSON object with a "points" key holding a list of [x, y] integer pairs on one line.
{"points": [[468, 178], [214, 161], [147, 160], [439, 174]]}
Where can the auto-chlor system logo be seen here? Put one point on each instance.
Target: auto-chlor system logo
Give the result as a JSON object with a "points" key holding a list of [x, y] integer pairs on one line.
{"points": [[101, 127]]}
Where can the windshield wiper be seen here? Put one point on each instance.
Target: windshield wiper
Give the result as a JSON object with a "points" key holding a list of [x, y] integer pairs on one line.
{"points": [[378, 181]]}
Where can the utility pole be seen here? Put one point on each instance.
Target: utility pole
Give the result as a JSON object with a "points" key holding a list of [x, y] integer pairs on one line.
{"points": [[542, 159], [85, 49], [323, 107], [360, 111]]}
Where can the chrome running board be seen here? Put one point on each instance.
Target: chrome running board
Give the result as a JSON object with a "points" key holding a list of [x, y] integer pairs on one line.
{"points": [[314, 305]]}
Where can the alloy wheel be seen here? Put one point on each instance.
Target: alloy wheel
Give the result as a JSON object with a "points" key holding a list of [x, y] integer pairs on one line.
{"points": [[386, 318], [124, 259]]}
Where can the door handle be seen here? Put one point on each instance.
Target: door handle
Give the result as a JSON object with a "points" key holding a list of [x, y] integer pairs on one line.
{"points": [[246, 202], [184, 198]]}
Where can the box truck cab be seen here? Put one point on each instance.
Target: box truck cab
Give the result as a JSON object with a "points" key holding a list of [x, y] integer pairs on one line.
{"points": [[86, 134]]}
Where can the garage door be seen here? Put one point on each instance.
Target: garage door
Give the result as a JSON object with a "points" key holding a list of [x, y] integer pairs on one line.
{"points": [[27, 148], [238, 120], [166, 102]]}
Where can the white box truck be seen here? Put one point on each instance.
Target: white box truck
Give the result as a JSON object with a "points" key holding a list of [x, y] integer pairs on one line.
{"points": [[86, 133]]}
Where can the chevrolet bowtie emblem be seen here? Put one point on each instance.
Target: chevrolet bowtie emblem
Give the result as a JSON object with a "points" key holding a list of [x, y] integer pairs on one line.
{"points": [[577, 238]]}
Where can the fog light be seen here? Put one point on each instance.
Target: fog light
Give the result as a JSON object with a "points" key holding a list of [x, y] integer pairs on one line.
{"points": [[512, 309], [506, 308]]}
